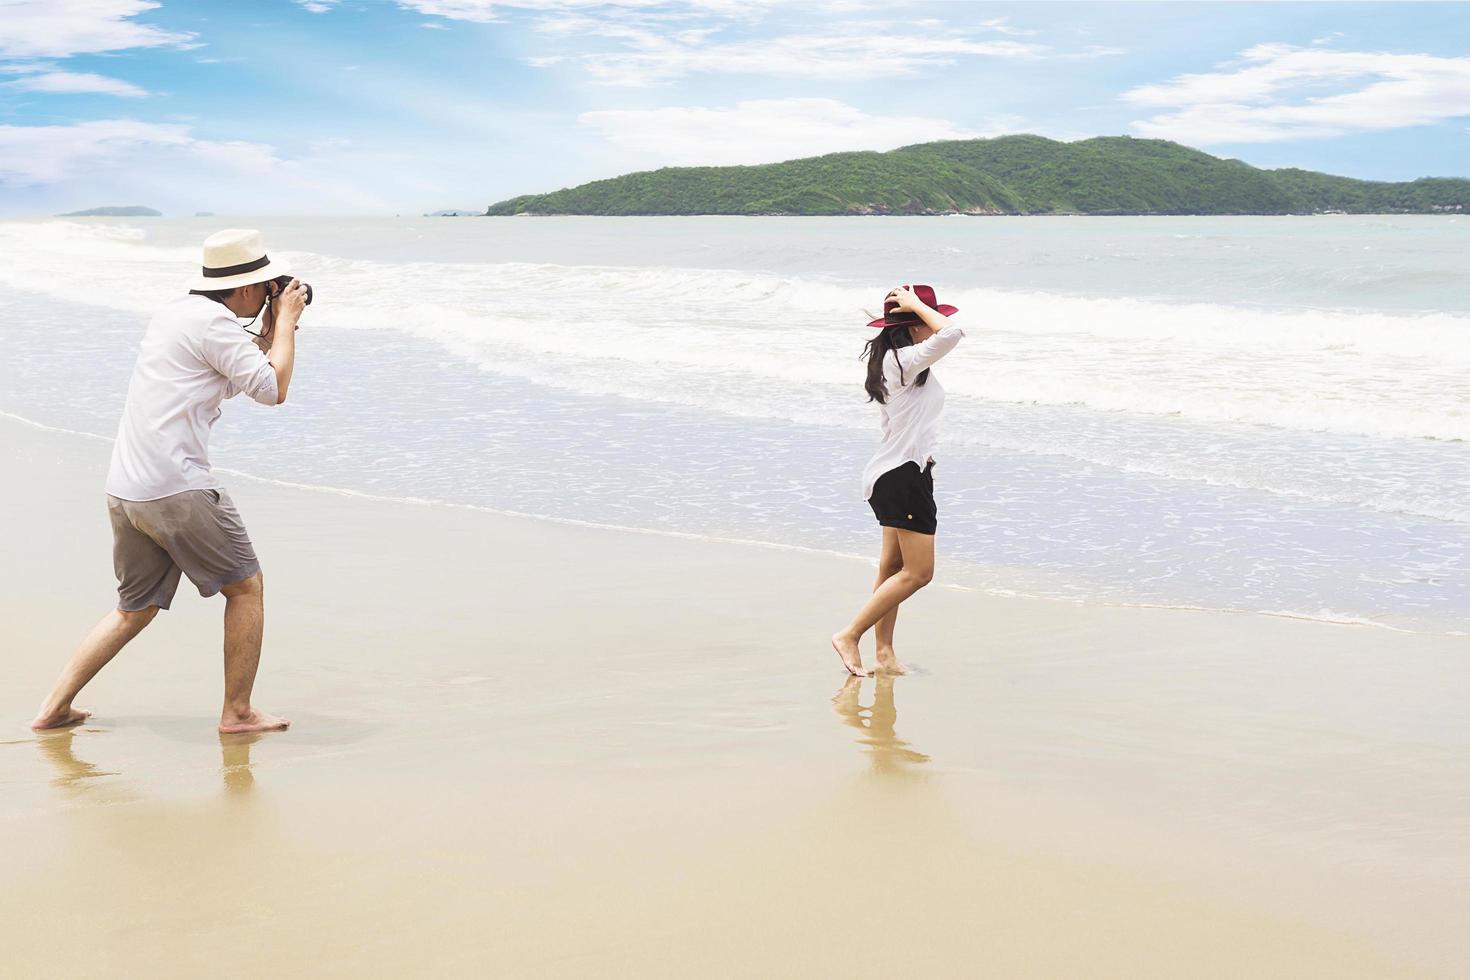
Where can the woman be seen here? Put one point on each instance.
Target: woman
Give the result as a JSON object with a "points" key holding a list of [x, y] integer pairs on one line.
{"points": [[899, 480]]}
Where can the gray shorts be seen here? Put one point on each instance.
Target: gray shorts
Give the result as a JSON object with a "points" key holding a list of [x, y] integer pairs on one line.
{"points": [[197, 532]]}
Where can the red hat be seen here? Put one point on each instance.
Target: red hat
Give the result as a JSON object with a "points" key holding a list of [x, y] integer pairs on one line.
{"points": [[893, 317]]}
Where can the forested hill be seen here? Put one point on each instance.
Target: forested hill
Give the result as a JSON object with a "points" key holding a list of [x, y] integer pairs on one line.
{"points": [[1005, 175]]}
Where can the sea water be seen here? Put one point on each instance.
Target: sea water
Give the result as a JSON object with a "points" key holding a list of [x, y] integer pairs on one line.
{"points": [[1268, 414]]}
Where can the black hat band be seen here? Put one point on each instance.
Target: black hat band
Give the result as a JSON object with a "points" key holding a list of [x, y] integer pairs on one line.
{"points": [[235, 270]]}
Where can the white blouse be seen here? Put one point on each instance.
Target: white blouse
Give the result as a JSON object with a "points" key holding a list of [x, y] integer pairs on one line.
{"points": [[911, 416]]}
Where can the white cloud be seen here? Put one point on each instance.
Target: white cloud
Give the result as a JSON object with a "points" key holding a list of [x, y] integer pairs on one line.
{"points": [[25, 67], [58, 28], [1001, 25], [841, 53], [484, 11], [34, 155], [655, 41], [855, 6], [470, 10], [474, 11], [1282, 92], [763, 131], [165, 164], [1094, 51], [76, 83]]}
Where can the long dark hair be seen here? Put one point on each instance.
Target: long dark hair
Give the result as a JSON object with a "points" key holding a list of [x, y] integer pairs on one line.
{"points": [[888, 339]]}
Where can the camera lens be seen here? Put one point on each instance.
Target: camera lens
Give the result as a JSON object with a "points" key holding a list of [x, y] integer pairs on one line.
{"points": [[283, 281]]}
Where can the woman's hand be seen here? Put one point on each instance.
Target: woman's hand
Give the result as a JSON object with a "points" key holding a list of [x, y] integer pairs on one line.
{"points": [[906, 299]]}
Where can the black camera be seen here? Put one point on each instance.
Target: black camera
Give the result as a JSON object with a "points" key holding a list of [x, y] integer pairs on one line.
{"points": [[283, 281]]}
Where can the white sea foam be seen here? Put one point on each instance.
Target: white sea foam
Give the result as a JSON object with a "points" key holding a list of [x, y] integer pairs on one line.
{"points": [[1178, 388], [746, 343], [1104, 447]]}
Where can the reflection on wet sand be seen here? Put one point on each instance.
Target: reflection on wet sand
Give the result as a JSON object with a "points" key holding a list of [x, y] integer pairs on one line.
{"points": [[888, 753], [58, 748], [72, 774], [235, 762]]}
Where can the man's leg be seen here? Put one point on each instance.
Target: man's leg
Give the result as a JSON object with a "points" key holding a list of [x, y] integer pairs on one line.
{"points": [[244, 629], [110, 635], [146, 580]]}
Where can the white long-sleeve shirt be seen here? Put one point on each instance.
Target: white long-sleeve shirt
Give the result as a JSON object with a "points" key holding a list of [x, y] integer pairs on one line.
{"points": [[911, 415], [193, 357]]}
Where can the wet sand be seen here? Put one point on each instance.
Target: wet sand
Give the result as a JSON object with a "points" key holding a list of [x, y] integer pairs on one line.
{"points": [[535, 750]]}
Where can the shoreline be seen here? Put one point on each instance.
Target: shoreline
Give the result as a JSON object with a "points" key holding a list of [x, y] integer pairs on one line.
{"points": [[992, 592], [567, 750]]}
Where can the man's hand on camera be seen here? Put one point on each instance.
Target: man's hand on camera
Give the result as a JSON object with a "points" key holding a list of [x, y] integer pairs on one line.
{"points": [[289, 303], [287, 307]]}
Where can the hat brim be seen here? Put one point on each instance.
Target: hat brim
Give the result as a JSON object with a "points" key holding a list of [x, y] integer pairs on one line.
{"points": [[265, 273], [943, 308]]}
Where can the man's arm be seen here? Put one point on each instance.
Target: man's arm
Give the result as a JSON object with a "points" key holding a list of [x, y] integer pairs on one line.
{"points": [[227, 349], [282, 335]]}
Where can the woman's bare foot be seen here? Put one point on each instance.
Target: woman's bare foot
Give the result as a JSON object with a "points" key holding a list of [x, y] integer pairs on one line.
{"points": [[888, 662], [60, 718], [231, 723], [852, 659]]}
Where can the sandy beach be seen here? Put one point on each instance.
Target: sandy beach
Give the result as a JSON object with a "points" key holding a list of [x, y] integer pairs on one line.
{"points": [[531, 749]]}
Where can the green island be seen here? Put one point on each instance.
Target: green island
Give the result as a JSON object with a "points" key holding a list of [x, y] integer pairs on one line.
{"points": [[1020, 174]]}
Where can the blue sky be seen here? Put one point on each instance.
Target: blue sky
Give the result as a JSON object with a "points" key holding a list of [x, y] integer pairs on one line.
{"points": [[402, 106]]}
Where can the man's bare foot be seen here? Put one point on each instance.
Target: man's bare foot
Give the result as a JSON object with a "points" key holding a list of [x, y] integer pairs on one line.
{"points": [[232, 723], [62, 718], [847, 649], [888, 662]]}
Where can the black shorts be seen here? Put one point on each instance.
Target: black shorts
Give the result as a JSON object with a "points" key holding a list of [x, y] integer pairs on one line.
{"points": [[904, 498]]}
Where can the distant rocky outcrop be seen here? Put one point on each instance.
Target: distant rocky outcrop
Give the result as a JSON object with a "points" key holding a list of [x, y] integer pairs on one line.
{"points": [[128, 211], [453, 213]]}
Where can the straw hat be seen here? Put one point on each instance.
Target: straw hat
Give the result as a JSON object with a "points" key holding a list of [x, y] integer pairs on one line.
{"points": [[236, 257]]}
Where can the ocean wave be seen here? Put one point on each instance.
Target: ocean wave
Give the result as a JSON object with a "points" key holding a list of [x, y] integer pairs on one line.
{"points": [[778, 346]]}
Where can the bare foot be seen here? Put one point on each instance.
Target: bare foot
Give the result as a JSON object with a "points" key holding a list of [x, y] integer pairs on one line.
{"points": [[847, 649], [252, 721], [888, 662], [64, 718]]}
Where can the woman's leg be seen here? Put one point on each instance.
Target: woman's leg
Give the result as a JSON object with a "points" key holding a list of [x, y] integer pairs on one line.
{"points": [[918, 571], [890, 563]]}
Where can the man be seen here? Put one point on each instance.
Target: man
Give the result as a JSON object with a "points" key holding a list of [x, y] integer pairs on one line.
{"points": [[169, 513]]}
